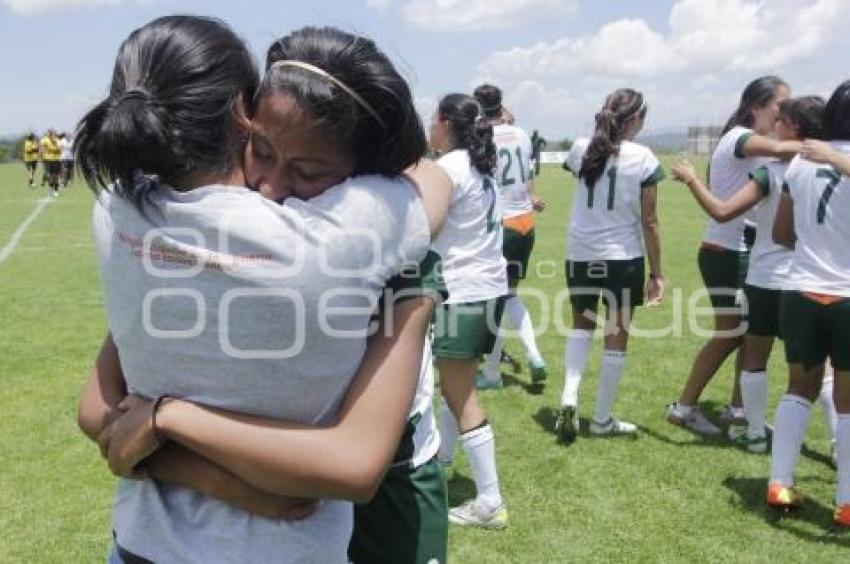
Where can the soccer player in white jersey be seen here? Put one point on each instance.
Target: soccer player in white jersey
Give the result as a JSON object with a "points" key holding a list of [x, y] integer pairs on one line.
{"points": [[723, 254], [613, 217], [474, 272], [799, 118], [518, 201], [812, 218]]}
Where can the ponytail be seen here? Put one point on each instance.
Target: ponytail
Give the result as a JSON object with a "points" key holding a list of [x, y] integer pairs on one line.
{"points": [[470, 130], [123, 137], [610, 122], [170, 112]]}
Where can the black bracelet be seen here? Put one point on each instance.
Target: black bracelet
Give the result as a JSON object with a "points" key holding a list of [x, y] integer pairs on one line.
{"points": [[156, 405]]}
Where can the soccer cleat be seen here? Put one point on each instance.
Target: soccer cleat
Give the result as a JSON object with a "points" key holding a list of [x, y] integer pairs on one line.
{"points": [[783, 497], [842, 515], [566, 424], [756, 445], [695, 421], [472, 514], [485, 382], [538, 372], [612, 427], [732, 415]]}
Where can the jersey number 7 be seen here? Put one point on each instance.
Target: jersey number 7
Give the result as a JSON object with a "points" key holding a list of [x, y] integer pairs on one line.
{"points": [[833, 178]]}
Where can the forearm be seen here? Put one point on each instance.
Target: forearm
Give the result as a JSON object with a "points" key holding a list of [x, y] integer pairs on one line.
{"points": [[711, 204], [180, 466], [841, 162], [652, 242], [344, 460], [104, 390]]}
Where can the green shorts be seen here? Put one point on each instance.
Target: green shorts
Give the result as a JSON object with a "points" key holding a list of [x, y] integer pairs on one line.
{"points": [[465, 331], [406, 521], [763, 311], [517, 250], [723, 273], [814, 331], [620, 281]]}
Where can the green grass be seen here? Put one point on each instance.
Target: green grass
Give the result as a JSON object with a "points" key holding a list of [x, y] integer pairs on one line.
{"points": [[663, 497]]}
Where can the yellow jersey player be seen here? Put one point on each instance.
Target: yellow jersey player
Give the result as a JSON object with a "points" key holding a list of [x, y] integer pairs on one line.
{"points": [[30, 154]]}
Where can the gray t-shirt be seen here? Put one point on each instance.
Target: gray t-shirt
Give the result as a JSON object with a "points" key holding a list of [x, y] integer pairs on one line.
{"points": [[220, 296]]}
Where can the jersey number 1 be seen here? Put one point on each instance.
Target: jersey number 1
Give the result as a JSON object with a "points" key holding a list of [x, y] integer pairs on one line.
{"points": [[833, 178]]}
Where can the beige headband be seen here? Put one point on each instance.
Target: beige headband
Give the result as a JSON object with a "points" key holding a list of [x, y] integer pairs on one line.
{"points": [[328, 76]]}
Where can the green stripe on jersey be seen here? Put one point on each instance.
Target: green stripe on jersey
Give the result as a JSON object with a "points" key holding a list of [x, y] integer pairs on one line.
{"points": [[762, 179], [655, 178], [739, 145]]}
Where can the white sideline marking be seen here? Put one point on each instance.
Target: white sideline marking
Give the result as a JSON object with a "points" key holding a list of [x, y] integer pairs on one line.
{"points": [[7, 251]]}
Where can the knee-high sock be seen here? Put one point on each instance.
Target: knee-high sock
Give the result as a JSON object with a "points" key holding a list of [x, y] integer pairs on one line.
{"points": [[842, 452], [754, 396], [576, 350], [791, 422], [610, 374], [448, 433], [521, 321], [493, 361], [480, 447], [827, 404]]}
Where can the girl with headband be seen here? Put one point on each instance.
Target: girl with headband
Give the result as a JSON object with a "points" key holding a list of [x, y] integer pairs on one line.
{"points": [[175, 225]]}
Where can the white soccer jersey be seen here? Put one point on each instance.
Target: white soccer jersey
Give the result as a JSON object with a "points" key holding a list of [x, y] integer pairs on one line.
{"points": [[426, 437], [470, 242], [821, 194], [769, 262], [605, 219], [515, 169], [729, 172]]}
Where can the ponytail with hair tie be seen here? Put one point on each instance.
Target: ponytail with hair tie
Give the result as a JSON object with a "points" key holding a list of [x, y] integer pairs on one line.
{"points": [[619, 107]]}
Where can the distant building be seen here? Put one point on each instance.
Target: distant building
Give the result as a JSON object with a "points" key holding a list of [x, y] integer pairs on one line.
{"points": [[703, 140]]}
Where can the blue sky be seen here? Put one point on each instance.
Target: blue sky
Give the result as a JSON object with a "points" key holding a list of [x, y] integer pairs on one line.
{"points": [[555, 59]]}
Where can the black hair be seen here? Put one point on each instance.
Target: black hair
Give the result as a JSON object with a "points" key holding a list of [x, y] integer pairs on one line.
{"points": [[470, 130], [171, 106], [385, 143], [836, 115], [31, 136], [757, 94], [805, 113], [490, 98], [619, 107]]}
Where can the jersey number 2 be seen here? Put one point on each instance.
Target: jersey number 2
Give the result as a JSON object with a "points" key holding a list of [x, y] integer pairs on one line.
{"points": [[491, 221], [833, 178]]}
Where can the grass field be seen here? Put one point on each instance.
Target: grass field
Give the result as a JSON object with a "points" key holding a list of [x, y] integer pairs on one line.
{"points": [[663, 497]]}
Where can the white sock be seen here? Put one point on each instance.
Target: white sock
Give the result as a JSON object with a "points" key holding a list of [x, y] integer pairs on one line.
{"points": [[754, 396], [684, 410], [521, 320], [492, 366], [480, 447], [791, 422], [842, 452], [576, 350], [448, 433], [610, 374], [827, 405]]}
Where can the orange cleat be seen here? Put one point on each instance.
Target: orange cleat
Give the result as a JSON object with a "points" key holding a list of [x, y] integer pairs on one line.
{"points": [[785, 497]]}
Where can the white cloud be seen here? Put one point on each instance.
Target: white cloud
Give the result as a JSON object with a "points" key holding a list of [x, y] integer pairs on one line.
{"points": [[33, 7], [475, 15], [691, 73]]}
